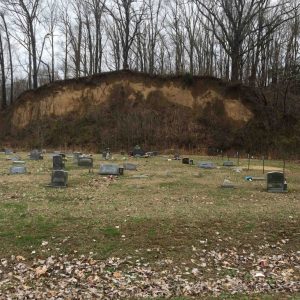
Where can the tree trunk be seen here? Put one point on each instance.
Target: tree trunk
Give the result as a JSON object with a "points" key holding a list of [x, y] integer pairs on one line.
{"points": [[3, 78]]}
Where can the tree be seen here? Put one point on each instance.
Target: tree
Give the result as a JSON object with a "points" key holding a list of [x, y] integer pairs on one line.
{"points": [[26, 17], [233, 22], [127, 16]]}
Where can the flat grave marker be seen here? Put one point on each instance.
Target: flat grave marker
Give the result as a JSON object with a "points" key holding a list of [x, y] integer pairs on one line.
{"points": [[228, 163], [206, 165], [109, 170], [130, 167]]}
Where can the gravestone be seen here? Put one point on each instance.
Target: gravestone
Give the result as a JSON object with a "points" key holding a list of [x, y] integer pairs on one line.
{"points": [[227, 184], [35, 155], [85, 161], [138, 151], [130, 167], [177, 156], [206, 165], [109, 170], [106, 154], [191, 162], [58, 162], [17, 169], [186, 161], [8, 151], [276, 182], [76, 157], [228, 163], [59, 178]]}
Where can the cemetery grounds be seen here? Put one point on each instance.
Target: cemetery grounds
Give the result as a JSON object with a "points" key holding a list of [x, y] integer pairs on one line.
{"points": [[173, 233]]}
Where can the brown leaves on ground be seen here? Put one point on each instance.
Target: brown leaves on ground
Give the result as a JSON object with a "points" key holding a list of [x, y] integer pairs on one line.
{"points": [[209, 272]]}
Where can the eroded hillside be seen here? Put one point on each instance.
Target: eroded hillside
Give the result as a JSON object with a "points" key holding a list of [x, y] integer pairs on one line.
{"points": [[120, 109]]}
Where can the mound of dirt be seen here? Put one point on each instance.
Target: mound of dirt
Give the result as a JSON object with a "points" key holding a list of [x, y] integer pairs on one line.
{"points": [[121, 109]]}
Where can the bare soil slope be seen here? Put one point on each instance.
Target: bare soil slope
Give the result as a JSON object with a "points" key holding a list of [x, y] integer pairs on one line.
{"points": [[120, 109]]}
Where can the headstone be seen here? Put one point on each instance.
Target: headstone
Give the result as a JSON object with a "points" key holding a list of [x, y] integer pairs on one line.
{"points": [[138, 151], [15, 158], [76, 156], [227, 184], [207, 165], [130, 167], [109, 170], [59, 178], [228, 163], [191, 162], [176, 156], [276, 182], [151, 153], [186, 161], [35, 155], [18, 169], [8, 151], [84, 161], [106, 154], [58, 162]]}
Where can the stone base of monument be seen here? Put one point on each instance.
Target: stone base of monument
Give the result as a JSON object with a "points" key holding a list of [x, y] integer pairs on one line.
{"points": [[59, 179], [14, 170]]}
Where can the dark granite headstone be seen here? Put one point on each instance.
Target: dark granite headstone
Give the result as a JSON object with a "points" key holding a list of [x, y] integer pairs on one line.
{"points": [[59, 178], [35, 155], [84, 161], [58, 162], [186, 161], [76, 156], [138, 151], [276, 182], [228, 163], [109, 170]]}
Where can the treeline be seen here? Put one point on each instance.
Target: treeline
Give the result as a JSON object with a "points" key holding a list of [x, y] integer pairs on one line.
{"points": [[252, 41]]}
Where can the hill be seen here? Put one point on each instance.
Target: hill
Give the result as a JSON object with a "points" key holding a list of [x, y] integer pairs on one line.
{"points": [[121, 109]]}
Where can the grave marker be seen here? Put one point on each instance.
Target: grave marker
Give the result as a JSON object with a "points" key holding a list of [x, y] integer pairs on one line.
{"points": [[35, 155], [276, 182], [76, 157], [228, 163], [58, 162], [85, 161], [186, 161], [17, 169], [59, 178], [130, 167], [109, 170], [206, 165]]}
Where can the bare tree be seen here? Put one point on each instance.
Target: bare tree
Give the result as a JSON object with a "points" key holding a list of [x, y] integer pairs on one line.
{"points": [[127, 16], [3, 75], [26, 16]]}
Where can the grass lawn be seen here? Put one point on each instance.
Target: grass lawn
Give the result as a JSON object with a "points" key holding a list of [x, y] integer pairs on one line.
{"points": [[165, 216]]}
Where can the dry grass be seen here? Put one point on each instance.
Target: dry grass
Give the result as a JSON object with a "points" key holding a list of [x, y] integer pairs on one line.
{"points": [[164, 215]]}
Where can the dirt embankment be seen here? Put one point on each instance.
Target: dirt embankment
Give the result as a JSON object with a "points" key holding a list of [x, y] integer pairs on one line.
{"points": [[123, 108]]}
